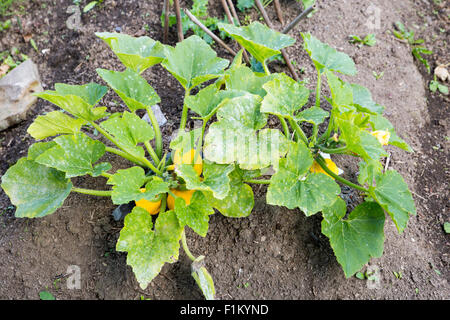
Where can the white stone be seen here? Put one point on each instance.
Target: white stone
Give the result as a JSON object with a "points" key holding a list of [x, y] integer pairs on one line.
{"points": [[16, 93], [160, 118]]}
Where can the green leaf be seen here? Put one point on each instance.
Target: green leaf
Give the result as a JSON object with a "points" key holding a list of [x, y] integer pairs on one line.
{"points": [[204, 281], [215, 178], [148, 250], [357, 139], [341, 91], [447, 227], [35, 190], [131, 88], [127, 184], [356, 239], [186, 140], [195, 214], [362, 100], [54, 123], [378, 122], [92, 92], [73, 104], [293, 186], [193, 62], [261, 41], [136, 53], [326, 57], [314, 115], [101, 168], [368, 171], [392, 193], [38, 148], [89, 6], [128, 131], [284, 96], [239, 201], [242, 78], [245, 4], [73, 154], [45, 295]]}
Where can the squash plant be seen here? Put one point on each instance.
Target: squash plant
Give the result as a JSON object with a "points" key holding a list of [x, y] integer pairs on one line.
{"points": [[213, 166]]}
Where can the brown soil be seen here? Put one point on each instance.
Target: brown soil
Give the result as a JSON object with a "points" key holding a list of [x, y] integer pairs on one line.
{"points": [[275, 253]]}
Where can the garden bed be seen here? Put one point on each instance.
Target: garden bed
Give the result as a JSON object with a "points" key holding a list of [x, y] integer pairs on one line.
{"points": [[275, 253]]}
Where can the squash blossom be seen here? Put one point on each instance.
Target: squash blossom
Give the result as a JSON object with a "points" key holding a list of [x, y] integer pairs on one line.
{"points": [[316, 168], [382, 136]]}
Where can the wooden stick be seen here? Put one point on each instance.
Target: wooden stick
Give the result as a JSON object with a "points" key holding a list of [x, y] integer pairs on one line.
{"points": [[166, 20], [233, 11], [236, 18], [211, 34], [283, 52], [231, 20], [298, 19], [179, 23], [278, 11]]}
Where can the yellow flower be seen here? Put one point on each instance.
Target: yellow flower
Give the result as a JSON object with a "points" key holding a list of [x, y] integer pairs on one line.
{"points": [[316, 168], [382, 136]]}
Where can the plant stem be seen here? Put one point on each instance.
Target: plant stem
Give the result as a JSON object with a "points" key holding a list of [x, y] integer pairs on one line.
{"points": [[298, 130], [124, 155], [318, 87], [106, 175], [152, 152], [185, 246], [163, 203], [335, 150], [158, 136], [101, 193], [285, 126], [257, 181], [266, 69], [322, 163], [184, 114]]}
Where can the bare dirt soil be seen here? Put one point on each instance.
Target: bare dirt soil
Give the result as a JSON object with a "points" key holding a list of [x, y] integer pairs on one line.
{"points": [[275, 253]]}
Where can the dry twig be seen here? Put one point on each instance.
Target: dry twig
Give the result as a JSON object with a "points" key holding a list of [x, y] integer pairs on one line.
{"points": [[179, 23]]}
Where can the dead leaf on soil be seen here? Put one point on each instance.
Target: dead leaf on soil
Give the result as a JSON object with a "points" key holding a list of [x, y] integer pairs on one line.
{"points": [[27, 37], [442, 73], [3, 69]]}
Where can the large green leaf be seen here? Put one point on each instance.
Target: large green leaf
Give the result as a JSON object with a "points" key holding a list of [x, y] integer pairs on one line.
{"points": [[284, 96], [293, 186], [54, 123], [392, 193], [193, 62], [239, 201], [195, 214], [357, 139], [326, 57], [73, 104], [74, 154], [358, 238], [314, 115], [148, 250], [36, 190], [378, 122], [127, 184], [362, 100], [215, 178], [242, 78], [261, 41], [136, 53], [129, 130], [234, 138], [38, 148], [133, 89], [92, 92], [341, 91]]}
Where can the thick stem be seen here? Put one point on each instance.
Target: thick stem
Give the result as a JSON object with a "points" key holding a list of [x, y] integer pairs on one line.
{"points": [[266, 69], [335, 150], [322, 163], [158, 136], [257, 181], [298, 130], [185, 246], [101, 193], [106, 175], [184, 114], [285, 127], [152, 152], [318, 88], [124, 155]]}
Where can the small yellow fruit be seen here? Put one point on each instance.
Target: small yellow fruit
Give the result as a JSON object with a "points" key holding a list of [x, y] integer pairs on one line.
{"points": [[188, 158], [150, 206], [382, 136], [185, 194]]}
